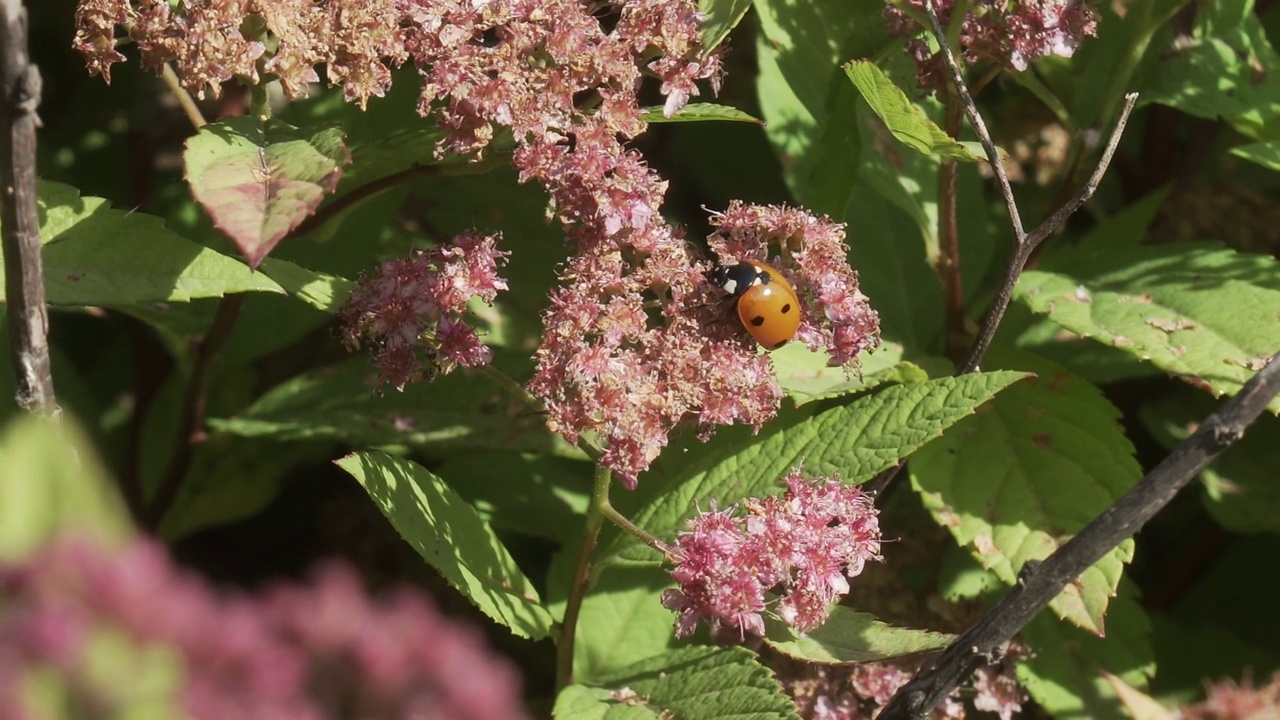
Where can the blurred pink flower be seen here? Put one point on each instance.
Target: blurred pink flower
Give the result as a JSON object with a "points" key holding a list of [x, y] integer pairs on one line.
{"points": [[295, 652]]}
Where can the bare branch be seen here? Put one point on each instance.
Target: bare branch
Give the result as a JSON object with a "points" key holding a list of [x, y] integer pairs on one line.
{"points": [[1028, 244], [191, 427], [1059, 218], [1038, 584], [23, 270]]}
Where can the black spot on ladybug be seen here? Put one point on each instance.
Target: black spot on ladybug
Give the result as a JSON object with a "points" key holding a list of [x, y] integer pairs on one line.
{"points": [[757, 321], [786, 309]]}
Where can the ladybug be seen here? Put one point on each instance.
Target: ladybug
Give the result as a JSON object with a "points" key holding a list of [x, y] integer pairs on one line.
{"points": [[767, 304]]}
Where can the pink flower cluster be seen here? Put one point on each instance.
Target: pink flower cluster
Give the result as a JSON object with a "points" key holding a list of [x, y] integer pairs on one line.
{"points": [[634, 345], [859, 692], [1231, 700], [1010, 33], [638, 343], [803, 546], [291, 653], [836, 316], [411, 311]]}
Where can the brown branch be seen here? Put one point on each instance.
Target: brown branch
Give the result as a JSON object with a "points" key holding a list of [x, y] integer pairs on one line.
{"points": [[361, 193], [194, 404], [1028, 243], [28, 317], [1040, 583], [955, 339]]}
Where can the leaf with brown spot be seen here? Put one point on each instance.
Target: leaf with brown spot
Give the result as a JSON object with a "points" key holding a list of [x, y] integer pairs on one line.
{"points": [[1023, 482]]}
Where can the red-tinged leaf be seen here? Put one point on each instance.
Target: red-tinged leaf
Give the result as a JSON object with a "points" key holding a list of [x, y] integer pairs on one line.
{"points": [[260, 181]]}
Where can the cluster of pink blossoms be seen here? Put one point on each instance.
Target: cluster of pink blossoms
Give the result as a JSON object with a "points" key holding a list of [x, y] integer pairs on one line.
{"points": [[1010, 33], [633, 347], [1231, 700], [290, 653], [803, 546], [825, 692], [410, 312]]}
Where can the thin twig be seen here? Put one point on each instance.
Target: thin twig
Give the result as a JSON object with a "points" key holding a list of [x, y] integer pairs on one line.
{"points": [[183, 97], [361, 193], [955, 339], [1028, 243], [191, 425], [23, 270], [975, 119], [1040, 583]]}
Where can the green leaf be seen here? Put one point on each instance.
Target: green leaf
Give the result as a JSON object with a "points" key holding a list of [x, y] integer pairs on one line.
{"points": [[452, 538], [94, 255], [805, 376], [1017, 480], [895, 230], [579, 702], [623, 622], [857, 441], [1233, 593], [1137, 704], [319, 290], [1266, 154], [906, 121], [51, 481], [721, 17], [803, 98], [413, 152], [698, 682], [231, 479], [346, 403], [1241, 490], [849, 636], [699, 112], [1064, 672], [258, 181], [1203, 313], [537, 495], [1227, 70], [1194, 647]]}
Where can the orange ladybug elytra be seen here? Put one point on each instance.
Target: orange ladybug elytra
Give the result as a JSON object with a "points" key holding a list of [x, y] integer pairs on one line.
{"points": [[767, 304]]}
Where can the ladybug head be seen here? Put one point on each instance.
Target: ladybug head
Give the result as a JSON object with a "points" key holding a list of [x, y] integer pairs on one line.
{"points": [[736, 278]]}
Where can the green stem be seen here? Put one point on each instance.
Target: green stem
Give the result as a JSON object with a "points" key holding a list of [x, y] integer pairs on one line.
{"points": [[514, 388], [631, 528], [259, 105], [582, 576]]}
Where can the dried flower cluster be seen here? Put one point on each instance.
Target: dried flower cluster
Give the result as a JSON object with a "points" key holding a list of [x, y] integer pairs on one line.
{"points": [[633, 347], [803, 546], [859, 692], [1010, 33], [112, 628], [410, 312]]}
